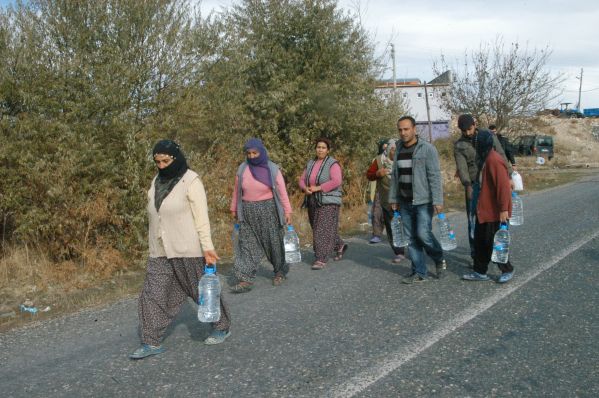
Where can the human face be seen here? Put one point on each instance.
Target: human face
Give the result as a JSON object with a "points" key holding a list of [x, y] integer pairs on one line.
{"points": [[392, 153], [407, 132], [163, 161], [470, 132], [322, 150], [252, 153]]}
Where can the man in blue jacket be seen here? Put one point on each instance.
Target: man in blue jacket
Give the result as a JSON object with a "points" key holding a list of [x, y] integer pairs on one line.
{"points": [[417, 191]]}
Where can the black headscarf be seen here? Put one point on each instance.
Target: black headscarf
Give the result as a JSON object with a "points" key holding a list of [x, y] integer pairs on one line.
{"points": [[381, 144], [483, 144], [169, 176]]}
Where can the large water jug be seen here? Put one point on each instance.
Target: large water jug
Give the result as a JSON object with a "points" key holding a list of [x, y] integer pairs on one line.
{"points": [[517, 180], [209, 295], [501, 245], [292, 246], [517, 210], [399, 238], [446, 233]]}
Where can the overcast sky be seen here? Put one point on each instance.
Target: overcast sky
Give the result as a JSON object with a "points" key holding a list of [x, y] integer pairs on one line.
{"points": [[421, 30]]}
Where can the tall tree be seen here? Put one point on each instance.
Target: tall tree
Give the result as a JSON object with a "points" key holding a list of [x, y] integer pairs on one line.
{"points": [[497, 82]]}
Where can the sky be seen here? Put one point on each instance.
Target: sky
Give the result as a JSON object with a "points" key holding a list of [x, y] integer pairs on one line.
{"points": [[422, 30]]}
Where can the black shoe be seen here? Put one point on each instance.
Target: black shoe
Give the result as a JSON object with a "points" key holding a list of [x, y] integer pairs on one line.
{"points": [[413, 279], [440, 267]]}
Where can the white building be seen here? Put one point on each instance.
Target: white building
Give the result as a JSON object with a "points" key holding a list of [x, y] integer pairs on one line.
{"points": [[414, 95]]}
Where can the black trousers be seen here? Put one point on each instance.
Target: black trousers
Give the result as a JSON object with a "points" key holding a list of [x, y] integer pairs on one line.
{"points": [[483, 247], [469, 215]]}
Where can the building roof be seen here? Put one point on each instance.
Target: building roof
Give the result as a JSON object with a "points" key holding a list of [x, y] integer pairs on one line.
{"points": [[443, 78]]}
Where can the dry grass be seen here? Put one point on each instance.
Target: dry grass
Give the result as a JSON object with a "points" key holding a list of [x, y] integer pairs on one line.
{"points": [[104, 275], [26, 273]]}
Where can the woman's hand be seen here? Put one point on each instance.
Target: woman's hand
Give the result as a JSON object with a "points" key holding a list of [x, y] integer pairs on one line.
{"points": [[288, 219], [211, 257], [503, 216], [234, 215], [315, 188], [382, 172], [307, 191]]}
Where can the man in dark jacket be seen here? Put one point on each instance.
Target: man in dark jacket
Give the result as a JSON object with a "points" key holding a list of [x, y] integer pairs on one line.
{"points": [[466, 165]]}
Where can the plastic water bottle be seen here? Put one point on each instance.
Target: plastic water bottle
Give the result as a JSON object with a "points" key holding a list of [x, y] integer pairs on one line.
{"points": [[517, 180], [209, 295], [501, 245], [399, 238], [370, 205], [517, 210], [446, 234], [292, 246]]}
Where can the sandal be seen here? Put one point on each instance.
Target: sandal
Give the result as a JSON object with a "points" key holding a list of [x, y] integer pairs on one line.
{"points": [[242, 287], [340, 253], [318, 265], [278, 279]]}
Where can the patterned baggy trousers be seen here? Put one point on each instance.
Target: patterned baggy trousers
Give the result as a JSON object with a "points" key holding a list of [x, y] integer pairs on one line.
{"points": [[167, 284], [260, 234], [324, 221]]}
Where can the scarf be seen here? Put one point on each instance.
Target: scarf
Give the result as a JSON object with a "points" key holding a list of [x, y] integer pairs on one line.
{"points": [[381, 144], [259, 165], [169, 176], [483, 145], [385, 158]]}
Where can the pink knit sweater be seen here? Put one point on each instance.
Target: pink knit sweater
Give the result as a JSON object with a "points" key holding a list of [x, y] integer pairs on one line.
{"points": [[327, 186], [254, 191]]}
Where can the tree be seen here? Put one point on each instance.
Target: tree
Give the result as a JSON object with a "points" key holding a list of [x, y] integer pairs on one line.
{"points": [[299, 69], [499, 82]]}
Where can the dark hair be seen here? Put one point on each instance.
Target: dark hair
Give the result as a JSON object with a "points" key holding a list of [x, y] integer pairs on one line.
{"points": [[410, 118], [492, 127], [325, 140]]}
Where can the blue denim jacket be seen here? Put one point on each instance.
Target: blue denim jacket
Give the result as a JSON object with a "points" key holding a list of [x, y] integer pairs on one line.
{"points": [[427, 185]]}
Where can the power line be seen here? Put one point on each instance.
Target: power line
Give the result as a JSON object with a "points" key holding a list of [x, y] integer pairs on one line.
{"points": [[583, 91]]}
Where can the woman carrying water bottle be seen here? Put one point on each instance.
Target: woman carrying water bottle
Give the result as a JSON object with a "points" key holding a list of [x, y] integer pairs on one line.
{"points": [[380, 171], [493, 204], [180, 244], [261, 205], [321, 182]]}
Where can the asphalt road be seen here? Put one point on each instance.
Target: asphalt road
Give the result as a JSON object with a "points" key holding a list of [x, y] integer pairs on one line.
{"points": [[354, 330]]}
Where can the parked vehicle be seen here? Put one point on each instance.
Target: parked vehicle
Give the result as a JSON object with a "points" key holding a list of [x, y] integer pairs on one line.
{"points": [[591, 112], [571, 114], [534, 145]]}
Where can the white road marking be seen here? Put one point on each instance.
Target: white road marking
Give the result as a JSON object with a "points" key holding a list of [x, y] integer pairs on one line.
{"points": [[398, 358]]}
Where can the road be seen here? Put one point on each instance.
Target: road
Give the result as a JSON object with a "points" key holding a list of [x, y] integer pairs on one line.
{"points": [[354, 330]]}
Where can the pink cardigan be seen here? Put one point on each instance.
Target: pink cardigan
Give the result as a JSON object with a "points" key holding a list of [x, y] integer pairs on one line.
{"points": [[254, 191], [328, 186]]}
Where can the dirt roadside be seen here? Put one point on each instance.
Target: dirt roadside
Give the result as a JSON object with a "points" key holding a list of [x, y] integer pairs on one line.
{"points": [[576, 155]]}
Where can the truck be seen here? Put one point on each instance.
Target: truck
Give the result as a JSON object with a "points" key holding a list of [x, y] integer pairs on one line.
{"points": [[591, 112]]}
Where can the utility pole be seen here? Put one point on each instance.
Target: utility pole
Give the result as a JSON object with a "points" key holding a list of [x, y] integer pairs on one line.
{"points": [[394, 75], [579, 91], [428, 115]]}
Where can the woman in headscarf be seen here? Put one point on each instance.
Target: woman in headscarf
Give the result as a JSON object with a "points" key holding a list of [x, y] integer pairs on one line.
{"points": [[378, 218], [261, 206], [321, 182], [492, 201], [380, 171], [180, 244]]}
